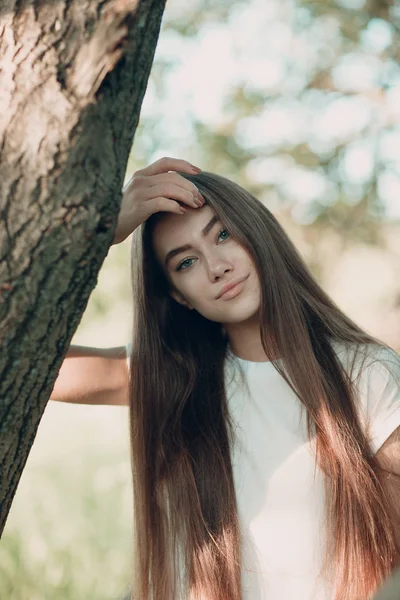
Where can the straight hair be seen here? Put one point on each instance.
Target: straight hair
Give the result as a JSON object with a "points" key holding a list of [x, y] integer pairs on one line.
{"points": [[186, 527]]}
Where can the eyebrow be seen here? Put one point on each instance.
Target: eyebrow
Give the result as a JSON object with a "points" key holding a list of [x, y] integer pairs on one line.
{"points": [[204, 232]]}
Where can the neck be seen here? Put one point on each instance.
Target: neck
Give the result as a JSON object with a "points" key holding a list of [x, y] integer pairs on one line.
{"points": [[245, 341]]}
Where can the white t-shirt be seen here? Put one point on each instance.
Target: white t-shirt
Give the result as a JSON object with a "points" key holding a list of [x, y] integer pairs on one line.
{"points": [[280, 503]]}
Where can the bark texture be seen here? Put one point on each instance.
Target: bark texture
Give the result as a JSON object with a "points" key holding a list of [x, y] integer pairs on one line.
{"points": [[73, 74]]}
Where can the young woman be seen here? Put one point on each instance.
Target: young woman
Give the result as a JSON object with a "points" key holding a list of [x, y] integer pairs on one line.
{"points": [[264, 422]]}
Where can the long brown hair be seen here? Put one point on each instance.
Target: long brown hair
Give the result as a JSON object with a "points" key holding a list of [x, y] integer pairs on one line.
{"points": [[187, 535]]}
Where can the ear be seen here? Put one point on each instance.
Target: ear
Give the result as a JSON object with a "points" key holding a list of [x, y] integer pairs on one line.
{"points": [[181, 299]]}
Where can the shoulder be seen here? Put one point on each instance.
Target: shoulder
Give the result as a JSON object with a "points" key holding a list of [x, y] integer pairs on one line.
{"points": [[374, 370], [368, 360]]}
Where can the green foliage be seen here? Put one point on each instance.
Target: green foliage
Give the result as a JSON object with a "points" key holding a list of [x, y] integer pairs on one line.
{"points": [[331, 76]]}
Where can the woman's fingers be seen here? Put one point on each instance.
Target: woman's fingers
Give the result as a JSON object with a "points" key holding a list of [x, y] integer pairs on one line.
{"points": [[165, 164], [173, 191], [174, 178], [161, 204]]}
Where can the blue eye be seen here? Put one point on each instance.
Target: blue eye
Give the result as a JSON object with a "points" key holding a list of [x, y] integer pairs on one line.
{"points": [[180, 267], [224, 231]]}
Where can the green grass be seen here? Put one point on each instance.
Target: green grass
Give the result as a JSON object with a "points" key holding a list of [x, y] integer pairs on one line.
{"points": [[68, 535]]}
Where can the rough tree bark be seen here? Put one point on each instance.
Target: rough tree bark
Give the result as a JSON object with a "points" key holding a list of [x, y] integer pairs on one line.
{"points": [[73, 74]]}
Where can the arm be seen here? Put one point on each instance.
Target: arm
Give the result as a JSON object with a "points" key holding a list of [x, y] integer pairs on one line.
{"points": [[93, 376]]}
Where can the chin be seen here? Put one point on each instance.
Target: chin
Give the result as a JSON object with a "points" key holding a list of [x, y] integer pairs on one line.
{"points": [[240, 313]]}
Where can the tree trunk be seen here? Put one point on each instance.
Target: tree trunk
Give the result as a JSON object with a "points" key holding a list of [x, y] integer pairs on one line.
{"points": [[73, 75]]}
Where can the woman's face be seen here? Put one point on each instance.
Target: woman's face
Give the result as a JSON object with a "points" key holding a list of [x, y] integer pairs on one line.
{"points": [[198, 273]]}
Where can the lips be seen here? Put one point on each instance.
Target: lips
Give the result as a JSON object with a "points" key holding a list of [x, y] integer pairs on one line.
{"points": [[230, 285]]}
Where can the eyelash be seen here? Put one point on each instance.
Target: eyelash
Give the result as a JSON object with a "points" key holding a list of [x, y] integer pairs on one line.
{"points": [[179, 267]]}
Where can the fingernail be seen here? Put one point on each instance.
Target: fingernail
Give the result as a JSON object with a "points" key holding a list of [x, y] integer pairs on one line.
{"points": [[198, 202], [196, 169], [198, 196], [183, 210]]}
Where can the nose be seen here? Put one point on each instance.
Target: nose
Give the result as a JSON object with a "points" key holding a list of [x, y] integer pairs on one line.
{"points": [[218, 269]]}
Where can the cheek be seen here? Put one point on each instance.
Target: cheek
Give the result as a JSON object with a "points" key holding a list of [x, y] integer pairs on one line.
{"points": [[188, 287], [194, 292]]}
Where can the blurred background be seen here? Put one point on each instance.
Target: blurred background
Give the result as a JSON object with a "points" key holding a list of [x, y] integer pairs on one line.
{"points": [[299, 102]]}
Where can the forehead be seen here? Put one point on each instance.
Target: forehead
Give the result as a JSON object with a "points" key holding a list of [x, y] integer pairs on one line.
{"points": [[174, 230]]}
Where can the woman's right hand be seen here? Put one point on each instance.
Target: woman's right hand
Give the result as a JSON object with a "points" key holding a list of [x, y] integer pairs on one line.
{"points": [[156, 188]]}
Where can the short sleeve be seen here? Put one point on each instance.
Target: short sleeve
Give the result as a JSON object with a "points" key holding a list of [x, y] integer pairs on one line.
{"points": [[128, 354], [379, 387]]}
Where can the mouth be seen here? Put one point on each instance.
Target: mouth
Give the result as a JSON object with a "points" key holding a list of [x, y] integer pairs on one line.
{"points": [[232, 289]]}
